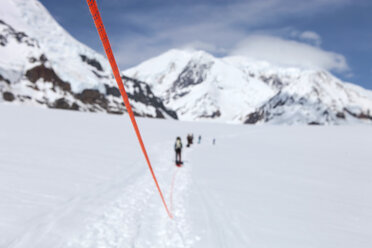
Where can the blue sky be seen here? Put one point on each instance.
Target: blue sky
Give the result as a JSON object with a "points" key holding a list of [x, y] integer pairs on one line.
{"points": [[332, 34]]}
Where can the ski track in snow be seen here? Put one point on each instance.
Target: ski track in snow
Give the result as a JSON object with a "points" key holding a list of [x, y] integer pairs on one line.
{"points": [[137, 217]]}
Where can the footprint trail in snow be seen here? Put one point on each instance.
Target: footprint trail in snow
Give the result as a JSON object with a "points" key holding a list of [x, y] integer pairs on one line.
{"points": [[137, 217]]}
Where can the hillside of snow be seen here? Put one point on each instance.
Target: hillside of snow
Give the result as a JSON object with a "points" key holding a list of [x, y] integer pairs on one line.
{"points": [[71, 179], [199, 86], [42, 64]]}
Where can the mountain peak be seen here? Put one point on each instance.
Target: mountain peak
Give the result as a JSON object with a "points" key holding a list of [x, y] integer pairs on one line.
{"points": [[40, 63], [199, 86]]}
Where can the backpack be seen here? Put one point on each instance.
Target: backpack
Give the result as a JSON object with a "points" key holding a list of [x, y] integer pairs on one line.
{"points": [[178, 144]]}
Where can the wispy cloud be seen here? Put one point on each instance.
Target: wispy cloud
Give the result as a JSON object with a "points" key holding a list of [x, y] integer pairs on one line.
{"points": [[290, 53], [312, 37], [215, 26]]}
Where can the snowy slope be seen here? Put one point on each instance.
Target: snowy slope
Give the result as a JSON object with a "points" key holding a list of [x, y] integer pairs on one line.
{"points": [[199, 86], [87, 185], [40, 63]]}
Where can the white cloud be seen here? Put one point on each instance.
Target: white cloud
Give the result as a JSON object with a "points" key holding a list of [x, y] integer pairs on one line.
{"points": [[205, 46], [289, 53], [312, 37], [207, 26]]}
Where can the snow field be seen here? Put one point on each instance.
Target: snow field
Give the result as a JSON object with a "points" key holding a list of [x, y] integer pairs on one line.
{"points": [[70, 179]]}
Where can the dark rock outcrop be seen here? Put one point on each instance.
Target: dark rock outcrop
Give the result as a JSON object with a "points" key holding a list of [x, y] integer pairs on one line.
{"points": [[142, 93], [360, 115], [314, 123], [193, 74], [4, 79], [215, 114], [48, 74], [8, 96], [91, 62], [112, 91], [61, 103], [20, 37], [254, 117]]}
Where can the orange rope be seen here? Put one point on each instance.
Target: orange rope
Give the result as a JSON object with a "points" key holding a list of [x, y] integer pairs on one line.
{"points": [[106, 45]]}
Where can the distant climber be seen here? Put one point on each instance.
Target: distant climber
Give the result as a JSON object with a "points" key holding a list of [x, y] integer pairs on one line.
{"points": [[189, 138], [178, 150], [214, 141], [199, 139]]}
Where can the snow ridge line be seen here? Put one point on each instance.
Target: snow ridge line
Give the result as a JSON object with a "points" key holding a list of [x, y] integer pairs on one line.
{"points": [[107, 47]]}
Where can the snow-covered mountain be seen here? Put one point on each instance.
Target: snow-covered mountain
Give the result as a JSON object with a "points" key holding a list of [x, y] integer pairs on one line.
{"points": [[199, 86], [40, 63]]}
